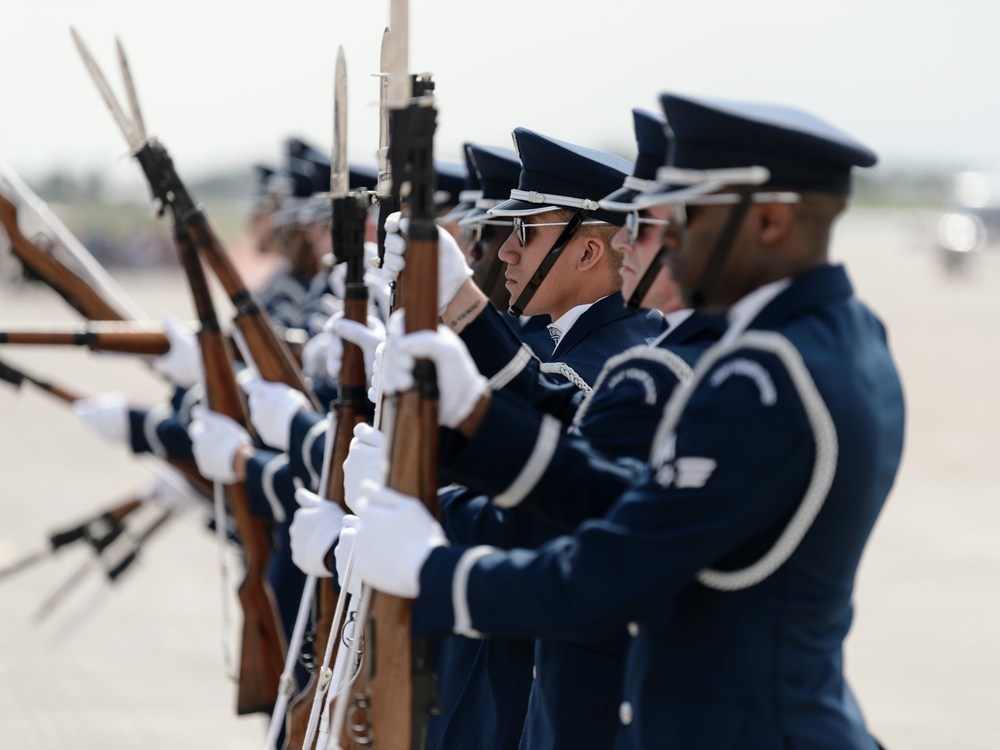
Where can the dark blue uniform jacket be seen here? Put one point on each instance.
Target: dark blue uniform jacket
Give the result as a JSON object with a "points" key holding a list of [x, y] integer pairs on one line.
{"points": [[485, 685], [731, 560]]}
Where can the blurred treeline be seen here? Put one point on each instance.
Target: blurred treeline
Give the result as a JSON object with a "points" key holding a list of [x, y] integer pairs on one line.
{"points": [[119, 230]]}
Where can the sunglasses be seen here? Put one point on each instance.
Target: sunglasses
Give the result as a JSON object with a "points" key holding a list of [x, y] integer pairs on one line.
{"points": [[521, 227], [633, 223], [474, 232], [679, 212]]}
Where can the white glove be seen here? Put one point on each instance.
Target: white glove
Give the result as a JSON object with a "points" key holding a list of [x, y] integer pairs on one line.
{"points": [[181, 365], [106, 414], [341, 555], [394, 538], [379, 295], [273, 406], [314, 529], [174, 494], [366, 337], [452, 267], [319, 352], [376, 381], [338, 280], [215, 439], [460, 384], [365, 460]]}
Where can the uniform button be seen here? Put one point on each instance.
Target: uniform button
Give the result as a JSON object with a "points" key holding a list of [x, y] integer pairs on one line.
{"points": [[625, 713], [633, 629]]}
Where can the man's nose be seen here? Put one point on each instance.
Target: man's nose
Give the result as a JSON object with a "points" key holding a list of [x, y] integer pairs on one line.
{"points": [[508, 253]]}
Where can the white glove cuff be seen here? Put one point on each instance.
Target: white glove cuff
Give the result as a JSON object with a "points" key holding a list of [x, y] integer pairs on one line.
{"points": [[464, 408]]}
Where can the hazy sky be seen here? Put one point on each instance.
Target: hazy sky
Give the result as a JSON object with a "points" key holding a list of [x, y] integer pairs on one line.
{"points": [[222, 82]]}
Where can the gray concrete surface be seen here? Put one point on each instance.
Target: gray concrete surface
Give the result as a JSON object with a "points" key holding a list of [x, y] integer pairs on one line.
{"points": [[141, 666]]}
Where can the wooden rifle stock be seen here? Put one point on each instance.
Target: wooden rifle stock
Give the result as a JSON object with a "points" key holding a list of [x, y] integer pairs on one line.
{"points": [[71, 287], [16, 377], [262, 651], [402, 685], [124, 338], [349, 214], [273, 359]]}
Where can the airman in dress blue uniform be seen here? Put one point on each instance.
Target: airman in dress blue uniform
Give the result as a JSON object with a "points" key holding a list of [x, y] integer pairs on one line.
{"points": [[483, 235], [730, 560], [557, 183], [576, 690]]}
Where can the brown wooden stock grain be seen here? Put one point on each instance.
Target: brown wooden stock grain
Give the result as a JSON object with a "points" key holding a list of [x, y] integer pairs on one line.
{"points": [[352, 375], [62, 394], [273, 359], [120, 512], [262, 651], [122, 341], [75, 290], [412, 471]]}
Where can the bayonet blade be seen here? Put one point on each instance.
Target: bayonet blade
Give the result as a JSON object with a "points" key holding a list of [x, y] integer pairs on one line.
{"points": [[383, 115], [339, 173], [109, 97], [139, 127], [400, 88]]}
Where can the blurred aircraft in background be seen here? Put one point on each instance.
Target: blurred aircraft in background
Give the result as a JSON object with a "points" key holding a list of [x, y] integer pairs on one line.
{"points": [[972, 223]]}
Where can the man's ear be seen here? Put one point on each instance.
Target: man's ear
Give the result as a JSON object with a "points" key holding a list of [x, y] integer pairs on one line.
{"points": [[773, 223], [591, 253]]}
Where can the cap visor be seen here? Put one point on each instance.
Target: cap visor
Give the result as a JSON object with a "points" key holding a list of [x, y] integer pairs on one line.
{"points": [[473, 217], [522, 208], [621, 200], [679, 195], [456, 214]]}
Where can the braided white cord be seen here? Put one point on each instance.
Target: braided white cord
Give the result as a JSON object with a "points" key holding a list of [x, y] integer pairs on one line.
{"points": [[681, 370], [824, 464], [561, 368]]}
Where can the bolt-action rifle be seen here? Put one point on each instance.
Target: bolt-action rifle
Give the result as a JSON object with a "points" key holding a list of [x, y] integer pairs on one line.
{"points": [[349, 212], [270, 355], [109, 292], [124, 337], [71, 286], [402, 685], [262, 649], [98, 531]]}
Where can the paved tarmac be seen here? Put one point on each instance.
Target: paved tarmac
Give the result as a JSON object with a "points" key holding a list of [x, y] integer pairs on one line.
{"points": [[140, 664]]}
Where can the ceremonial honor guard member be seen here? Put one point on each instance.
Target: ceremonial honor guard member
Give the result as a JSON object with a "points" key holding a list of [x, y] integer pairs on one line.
{"points": [[576, 688], [731, 559], [556, 217], [471, 192], [560, 263], [499, 170]]}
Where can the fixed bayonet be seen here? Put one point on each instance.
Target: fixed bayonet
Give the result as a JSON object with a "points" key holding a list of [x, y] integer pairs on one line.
{"points": [[129, 129], [339, 172], [138, 126], [400, 88], [382, 188]]}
